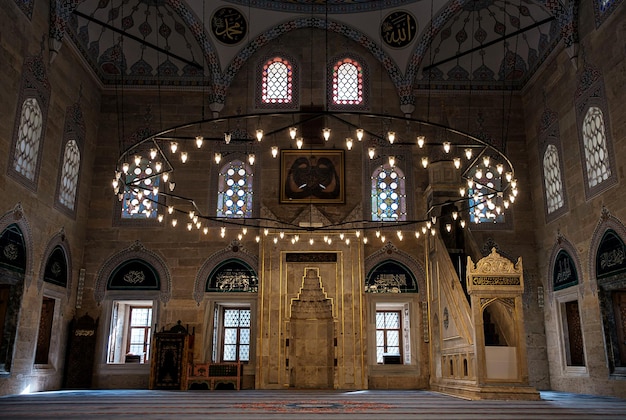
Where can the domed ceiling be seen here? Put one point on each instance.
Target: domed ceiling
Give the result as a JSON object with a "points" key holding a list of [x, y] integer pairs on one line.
{"points": [[458, 44]]}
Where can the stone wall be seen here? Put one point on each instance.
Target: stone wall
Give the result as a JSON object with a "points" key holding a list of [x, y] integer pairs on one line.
{"points": [[69, 84], [554, 88]]}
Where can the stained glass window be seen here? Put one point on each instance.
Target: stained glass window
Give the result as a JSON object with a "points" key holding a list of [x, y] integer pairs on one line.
{"points": [[234, 198], [236, 335], [277, 81], [141, 197], [552, 179], [69, 174], [388, 194], [27, 146], [387, 334], [347, 85], [596, 153]]}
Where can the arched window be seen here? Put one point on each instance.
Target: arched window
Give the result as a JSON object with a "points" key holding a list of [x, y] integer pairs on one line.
{"points": [[484, 203], [596, 153], [388, 194], [141, 197], [347, 87], [552, 179], [564, 273], [277, 81], [69, 175], [234, 197], [29, 135]]}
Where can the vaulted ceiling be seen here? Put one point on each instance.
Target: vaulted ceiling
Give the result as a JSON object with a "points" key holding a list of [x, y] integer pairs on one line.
{"points": [[457, 44]]}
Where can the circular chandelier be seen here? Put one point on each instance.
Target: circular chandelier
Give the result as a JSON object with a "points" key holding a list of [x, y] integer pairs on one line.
{"points": [[147, 170]]}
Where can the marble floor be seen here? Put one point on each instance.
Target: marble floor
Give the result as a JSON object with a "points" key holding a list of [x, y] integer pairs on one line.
{"points": [[301, 405]]}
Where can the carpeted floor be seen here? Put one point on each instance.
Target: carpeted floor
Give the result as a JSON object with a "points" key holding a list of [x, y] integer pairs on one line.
{"points": [[300, 405]]}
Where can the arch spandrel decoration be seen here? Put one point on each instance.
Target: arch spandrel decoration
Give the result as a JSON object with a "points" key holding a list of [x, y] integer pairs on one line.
{"points": [[235, 251], [390, 254], [135, 252], [232, 275], [134, 274], [16, 217], [57, 256]]}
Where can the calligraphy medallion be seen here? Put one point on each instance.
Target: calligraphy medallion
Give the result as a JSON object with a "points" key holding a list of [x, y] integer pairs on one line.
{"points": [[398, 29], [228, 25]]}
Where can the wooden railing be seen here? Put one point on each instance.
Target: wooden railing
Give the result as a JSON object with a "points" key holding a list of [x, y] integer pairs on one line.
{"points": [[214, 375]]}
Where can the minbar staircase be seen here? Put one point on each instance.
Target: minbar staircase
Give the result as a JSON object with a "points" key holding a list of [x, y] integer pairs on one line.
{"points": [[477, 341]]}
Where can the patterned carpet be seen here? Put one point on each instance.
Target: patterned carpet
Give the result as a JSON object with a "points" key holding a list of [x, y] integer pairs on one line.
{"points": [[301, 405]]}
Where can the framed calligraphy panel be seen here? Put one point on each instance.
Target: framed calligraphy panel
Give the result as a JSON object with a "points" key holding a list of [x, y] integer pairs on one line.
{"points": [[228, 25], [398, 29], [312, 176]]}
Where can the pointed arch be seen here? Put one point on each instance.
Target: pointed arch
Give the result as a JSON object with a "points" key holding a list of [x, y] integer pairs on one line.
{"points": [[234, 251], [134, 252], [57, 242]]}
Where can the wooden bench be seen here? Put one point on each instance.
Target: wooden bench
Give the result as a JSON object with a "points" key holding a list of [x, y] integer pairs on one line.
{"points": [[214, 376]]}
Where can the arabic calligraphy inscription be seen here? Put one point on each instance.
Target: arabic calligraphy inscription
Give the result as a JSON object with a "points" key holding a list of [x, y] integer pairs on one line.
{"points": [[228, 25], [398, 29]]}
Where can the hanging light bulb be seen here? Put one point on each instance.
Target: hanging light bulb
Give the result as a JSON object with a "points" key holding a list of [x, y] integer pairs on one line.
{"points": [[172, 185], [349, 143], [455, 215], [257, 239], [326, 133], [486, 161], [223, 231], [433, 231], [462, 223], [457, 162], [153, 154], [468, 153], [391, 136], [125, 167], [281, 234], [165, 176], [155, 190], [199, 141], [183, 157], [158, 166], [371, 151], [448, 227], [173, 146], [227, 137], [341, 236], [446, 146], [311, 241], [240, 236], [392, 161], [244, 230], [266, 231], [500, 168], [365, 239], [170, 209], [251, 158], [421, 140], [275, 240], [382, 238], [296, 237], [509, 176], [330, 241], [325, 238], [299, 142], [259, 134], [359, 134], [425, 162], [357, 233], [189, 226], [378, 233], [514, 183], [218, 157], [428, 224], [417, 234], [399, 234], [274, 151], [160, 218], [293, 241], [479, 173], [205, 230], [174, 222], [424, 230], [195, 219], [292, 132], [115, 183], [347, 241]]}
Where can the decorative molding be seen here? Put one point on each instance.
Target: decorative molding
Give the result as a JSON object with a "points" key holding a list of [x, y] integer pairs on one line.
{"points": [[235, 251], [494, 263], [389, 253], [16, 216], [135, 251]]}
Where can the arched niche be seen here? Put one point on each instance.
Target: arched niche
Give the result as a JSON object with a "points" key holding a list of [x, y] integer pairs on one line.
{"points": [[56, 264], [564, 269], [608, 268], [390, 276], [232, 275], [499, 323], [134, 262], [234, 252]]}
